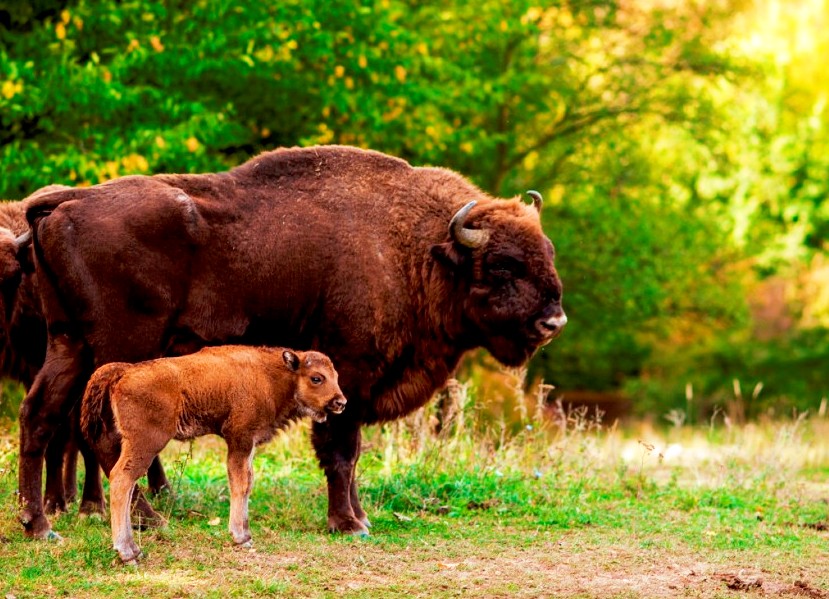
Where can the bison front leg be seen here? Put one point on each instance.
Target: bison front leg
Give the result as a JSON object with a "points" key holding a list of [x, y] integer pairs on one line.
{"points": [[41, 413], [337, 443]]}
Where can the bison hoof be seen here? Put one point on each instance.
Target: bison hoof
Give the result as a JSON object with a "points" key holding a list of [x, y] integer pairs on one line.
{"points": [[38, 527], [163, 489], [54, 506], [245, 544], [347, 526], [92, 509]]}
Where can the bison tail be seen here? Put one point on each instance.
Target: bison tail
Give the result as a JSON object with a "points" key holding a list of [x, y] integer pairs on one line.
{"points": [[96, 407]]}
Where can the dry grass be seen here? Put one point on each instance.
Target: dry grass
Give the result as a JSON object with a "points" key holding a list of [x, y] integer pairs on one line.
{"points": [[563, 507]]}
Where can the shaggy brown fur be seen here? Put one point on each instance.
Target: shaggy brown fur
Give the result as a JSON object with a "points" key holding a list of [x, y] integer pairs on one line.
{"points": [[346, 251], [22, 351], [242, 394]]}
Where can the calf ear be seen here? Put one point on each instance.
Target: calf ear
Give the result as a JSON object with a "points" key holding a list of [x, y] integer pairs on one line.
{"points": [[291, 360], [447, 254]]}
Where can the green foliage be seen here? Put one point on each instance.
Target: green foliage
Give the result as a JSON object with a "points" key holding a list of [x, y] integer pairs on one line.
{"points": [[751, 377], [679, 158]]}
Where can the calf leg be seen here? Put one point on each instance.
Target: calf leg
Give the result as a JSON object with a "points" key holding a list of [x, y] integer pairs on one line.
{"points": [[107, 452], [337, 443], [41, 413], [240, 477], [131, 465]]}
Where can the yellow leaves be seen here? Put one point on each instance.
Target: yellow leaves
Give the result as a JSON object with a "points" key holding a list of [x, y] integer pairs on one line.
{"points": [[362, 61], [159, 141], [60, 31], [133, 45], [325, 135], [532, 15], [504, 26], [339, 71], [192, 144], [65, 17], [422, 49], [156, 44], [467, 147], [400, 73], [110, 170], [265, 132], [107, 76], [135, 163], [11, 88], [349, 83]]}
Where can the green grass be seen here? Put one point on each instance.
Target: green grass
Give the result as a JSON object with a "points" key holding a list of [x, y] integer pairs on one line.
{"points": [[581, 510]]}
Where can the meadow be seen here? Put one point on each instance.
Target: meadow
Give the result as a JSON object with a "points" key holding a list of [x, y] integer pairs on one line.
{"points": [[461, 504]]}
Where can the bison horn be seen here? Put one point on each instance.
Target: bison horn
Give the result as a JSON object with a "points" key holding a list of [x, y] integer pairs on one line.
{"points": [[471, 238], [537, 199], [23, 239]]}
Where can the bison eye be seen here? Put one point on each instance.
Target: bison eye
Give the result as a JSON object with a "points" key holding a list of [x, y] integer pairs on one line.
{"points": [[317, 380], [505, 267]]}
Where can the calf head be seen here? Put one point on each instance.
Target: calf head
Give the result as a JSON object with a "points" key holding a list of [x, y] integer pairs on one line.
{"points": [[317, 391], [505, 265]]}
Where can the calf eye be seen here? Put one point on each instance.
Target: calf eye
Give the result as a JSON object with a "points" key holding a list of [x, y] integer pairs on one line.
{"points": [[317, 380]]}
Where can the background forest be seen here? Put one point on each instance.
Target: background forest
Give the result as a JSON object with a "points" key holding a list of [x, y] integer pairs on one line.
{"points": [[682, 148]]}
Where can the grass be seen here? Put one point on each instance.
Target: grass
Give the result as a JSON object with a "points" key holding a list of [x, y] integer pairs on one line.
{"points": [[567, 507]]}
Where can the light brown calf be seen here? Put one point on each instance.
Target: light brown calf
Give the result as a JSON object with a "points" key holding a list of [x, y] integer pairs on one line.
{"points": [[243, 394]]}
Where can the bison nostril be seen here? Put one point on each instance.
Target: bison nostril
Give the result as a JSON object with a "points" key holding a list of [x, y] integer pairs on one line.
{"points": [[552, 324]]}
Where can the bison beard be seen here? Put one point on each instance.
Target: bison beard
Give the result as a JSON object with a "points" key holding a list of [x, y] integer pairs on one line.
{"points": [[393, 271]]}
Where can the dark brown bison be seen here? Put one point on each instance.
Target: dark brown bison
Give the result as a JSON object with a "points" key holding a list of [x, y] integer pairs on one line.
{"points": [[243, 394], [23, 347], [395, 272], [22, 351]]}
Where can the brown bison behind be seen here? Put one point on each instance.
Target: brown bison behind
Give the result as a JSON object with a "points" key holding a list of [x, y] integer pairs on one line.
{"points": [[22, 352], [393, 271], [243, 394]]}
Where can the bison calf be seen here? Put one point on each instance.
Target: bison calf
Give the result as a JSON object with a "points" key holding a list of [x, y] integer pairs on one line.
{"points": [[243, 394]]}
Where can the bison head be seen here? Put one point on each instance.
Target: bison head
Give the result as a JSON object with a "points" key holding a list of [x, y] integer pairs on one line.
{"points": [[500, 256]]}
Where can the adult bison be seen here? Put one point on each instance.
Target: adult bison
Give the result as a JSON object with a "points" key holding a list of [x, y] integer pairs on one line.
{"points": [[23, 347], [393, 271], [22, 352]]}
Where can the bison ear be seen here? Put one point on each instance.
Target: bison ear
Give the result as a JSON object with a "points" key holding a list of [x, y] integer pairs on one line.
{"points": [[447, 254], [291, 360]]}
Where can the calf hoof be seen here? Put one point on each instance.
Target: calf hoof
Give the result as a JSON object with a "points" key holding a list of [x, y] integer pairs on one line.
{"points": [[245, 544], [347, 526], [92, 509], [130, 555]]}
